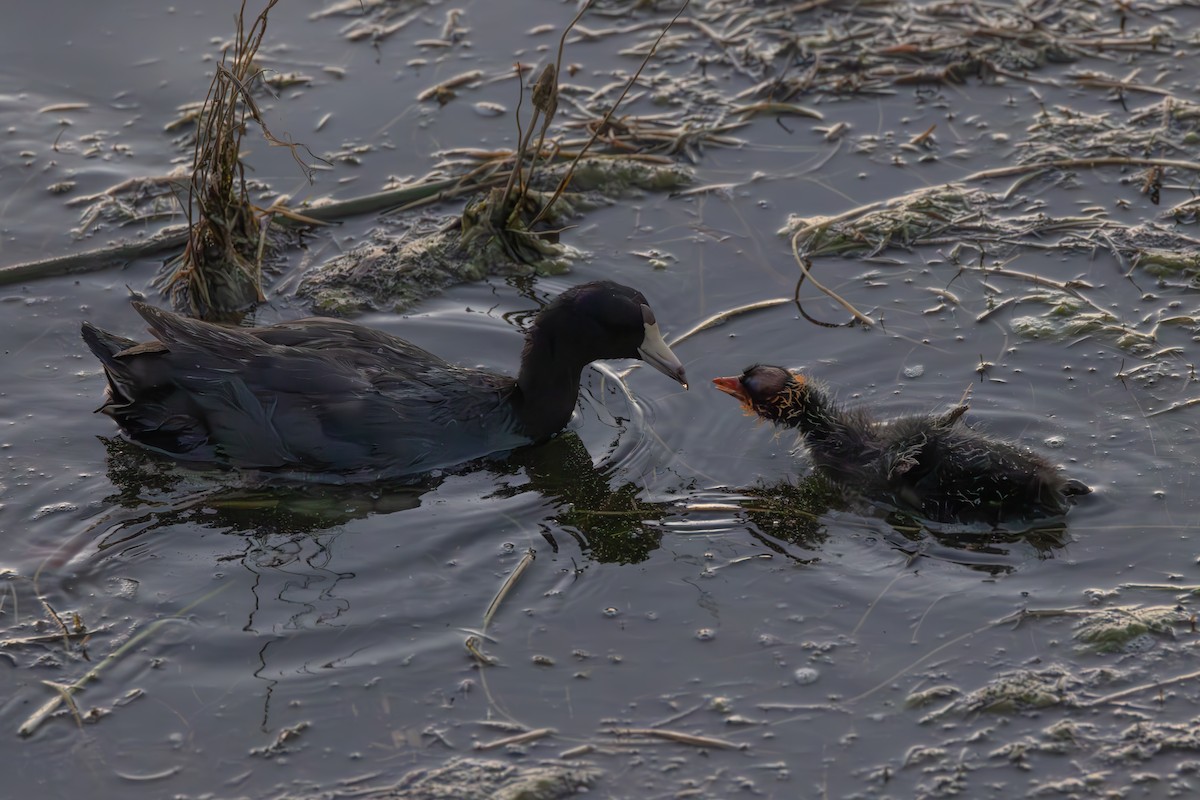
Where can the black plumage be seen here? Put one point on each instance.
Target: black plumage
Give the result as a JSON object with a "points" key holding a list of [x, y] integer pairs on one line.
{"points": [[931, 464], [328, 397]]}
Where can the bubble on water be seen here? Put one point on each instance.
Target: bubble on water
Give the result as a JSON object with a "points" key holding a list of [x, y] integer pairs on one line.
{"points": [[805, 675]]}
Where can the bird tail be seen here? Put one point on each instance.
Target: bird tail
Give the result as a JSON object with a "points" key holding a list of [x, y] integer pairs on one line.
{"points": [[106, 346]]}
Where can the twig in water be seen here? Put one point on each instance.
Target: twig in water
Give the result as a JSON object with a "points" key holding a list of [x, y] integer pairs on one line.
{"points": [[509, 582], [96, 259], [442, 89], [472, 645], [802, 262], [575, 752], [1082, 163], [66, 634], [679, 737], [520, 738], [724, 316], [1166, 587], [777, 108], [1132, 690], [49, 707], [875, 602], [678, 716], [64, 693], [1174, 407], [995, 308]]}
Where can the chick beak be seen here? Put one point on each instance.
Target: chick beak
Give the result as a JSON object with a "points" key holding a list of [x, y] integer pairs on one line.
{"points": [[655, 352], [733, 387]]}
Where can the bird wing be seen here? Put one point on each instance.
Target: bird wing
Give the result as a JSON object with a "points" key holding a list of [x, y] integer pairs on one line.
{"points": [[330, 395]]}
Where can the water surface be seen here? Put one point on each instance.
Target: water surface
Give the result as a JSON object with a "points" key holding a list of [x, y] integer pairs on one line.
{"points": [[662, 592]]}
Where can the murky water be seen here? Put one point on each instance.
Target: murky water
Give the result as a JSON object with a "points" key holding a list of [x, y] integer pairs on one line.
{"points": [[664, 591]]}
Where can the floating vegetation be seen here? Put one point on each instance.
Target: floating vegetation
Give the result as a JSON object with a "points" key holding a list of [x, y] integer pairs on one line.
{"points": [[1128, 629], [959, 217], [480, 779], [133, 202], [870, 48], [72, 636], [415, 257], [1169, 128], [983, 232], [814, 49], [1065, 316], [36, 633], [1016, 690], [1038, 709], [934, 694], [395, 273], [377, 20], [1144, 740]]}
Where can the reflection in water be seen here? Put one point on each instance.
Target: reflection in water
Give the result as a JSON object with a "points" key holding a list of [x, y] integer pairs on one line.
{"points": [[795, 513], [798, 514], [163, 493], [610, 524], [609, 520], [992, 550], [289, 535]]}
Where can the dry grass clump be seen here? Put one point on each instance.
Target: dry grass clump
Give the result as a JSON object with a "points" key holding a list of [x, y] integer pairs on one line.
{"points": [[220, 270]]}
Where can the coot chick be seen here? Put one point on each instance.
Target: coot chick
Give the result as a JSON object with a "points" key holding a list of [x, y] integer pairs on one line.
{"points": [[327, 399], [931, 464]]}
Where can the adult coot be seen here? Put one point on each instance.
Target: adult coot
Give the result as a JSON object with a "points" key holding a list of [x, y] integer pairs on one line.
{"points": [[932, 464], [327, 397]]}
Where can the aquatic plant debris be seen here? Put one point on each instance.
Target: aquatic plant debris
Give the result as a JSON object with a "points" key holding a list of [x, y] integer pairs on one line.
{"points": [[1127, 629], [478, 779], [413, 257], [970, 222], [1016, 690], [816, 49]]}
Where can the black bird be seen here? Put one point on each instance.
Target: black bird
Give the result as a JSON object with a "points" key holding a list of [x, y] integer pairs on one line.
{"points": [[931, 464], [324, 397]]}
